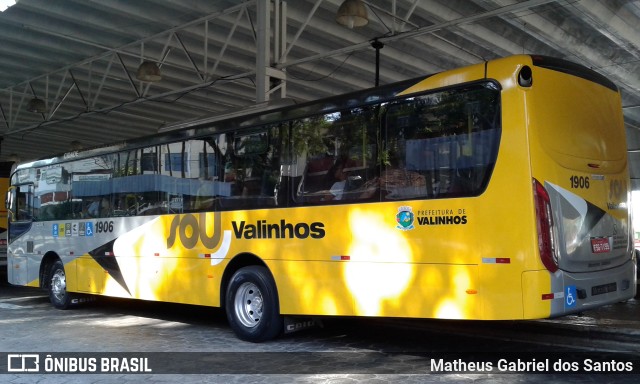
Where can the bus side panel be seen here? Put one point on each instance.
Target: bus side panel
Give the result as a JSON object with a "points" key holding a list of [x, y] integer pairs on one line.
{"points": [[130, 259], [358, 262], [164, 258], [313, 287], [377, 289], [535, 284], [24, 261], [443, 266], [91, 277], [464, 257], [17, 270]]}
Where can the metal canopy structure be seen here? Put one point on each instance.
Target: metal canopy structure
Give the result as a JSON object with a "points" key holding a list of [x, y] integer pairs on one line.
{"points": [[80, 57]]}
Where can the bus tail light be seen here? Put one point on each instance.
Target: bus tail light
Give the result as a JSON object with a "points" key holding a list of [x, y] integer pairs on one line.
{"points": [[544, 222]]}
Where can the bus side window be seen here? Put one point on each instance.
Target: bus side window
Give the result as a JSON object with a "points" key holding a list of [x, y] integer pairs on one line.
{"points": [[445, 143], [314, 183], [340, 150], [24, 203], [250, 170]]}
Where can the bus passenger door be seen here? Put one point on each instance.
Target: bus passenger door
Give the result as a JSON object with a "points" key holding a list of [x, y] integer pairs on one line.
{"points": [[19, 246]]}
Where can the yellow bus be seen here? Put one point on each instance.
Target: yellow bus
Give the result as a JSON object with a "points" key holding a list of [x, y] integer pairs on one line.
{"points": [[5, 171], [494, 191]]}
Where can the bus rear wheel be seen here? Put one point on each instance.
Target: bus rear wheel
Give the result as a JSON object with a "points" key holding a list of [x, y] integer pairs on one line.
{"points": [[252, 305], [58, 294]]}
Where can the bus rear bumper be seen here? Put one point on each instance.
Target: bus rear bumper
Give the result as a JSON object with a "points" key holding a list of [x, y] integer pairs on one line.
{"points": [[584, 291], [548, 295]]}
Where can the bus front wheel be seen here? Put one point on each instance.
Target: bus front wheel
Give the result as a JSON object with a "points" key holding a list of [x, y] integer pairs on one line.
{"points": [[58, 294], [252, 305]]}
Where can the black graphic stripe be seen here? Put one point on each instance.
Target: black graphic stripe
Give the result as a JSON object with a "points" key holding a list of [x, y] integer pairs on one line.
{"points": [[104, 256]]}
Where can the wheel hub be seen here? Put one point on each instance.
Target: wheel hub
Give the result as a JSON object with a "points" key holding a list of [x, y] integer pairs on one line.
{"points": [[249, 304], [59, 285]]}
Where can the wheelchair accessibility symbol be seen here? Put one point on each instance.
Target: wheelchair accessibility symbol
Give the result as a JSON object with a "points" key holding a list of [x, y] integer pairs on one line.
{"points": [[570, 296], [89, 229]]}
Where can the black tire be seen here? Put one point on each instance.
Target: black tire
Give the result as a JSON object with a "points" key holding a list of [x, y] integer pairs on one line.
{"points": [[252, 306], [58, 294]]}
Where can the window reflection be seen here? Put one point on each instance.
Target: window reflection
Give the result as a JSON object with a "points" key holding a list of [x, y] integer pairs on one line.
{"points": [[441, 144]]}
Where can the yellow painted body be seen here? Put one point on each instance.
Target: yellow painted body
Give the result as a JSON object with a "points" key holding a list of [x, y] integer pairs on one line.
{"points": [[364, 265]]}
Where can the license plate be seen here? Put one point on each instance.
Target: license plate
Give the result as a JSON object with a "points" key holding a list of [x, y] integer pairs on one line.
{"points": [[600, 245], [602, 289]]}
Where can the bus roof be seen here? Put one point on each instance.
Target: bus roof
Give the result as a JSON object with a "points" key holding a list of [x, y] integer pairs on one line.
{"points": [[217, 124]]}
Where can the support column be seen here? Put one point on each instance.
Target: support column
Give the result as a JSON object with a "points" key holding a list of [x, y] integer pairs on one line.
{"points": [[262, 53], [265, 72]]}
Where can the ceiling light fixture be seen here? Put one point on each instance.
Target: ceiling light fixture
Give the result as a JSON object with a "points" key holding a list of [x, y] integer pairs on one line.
{"points": [[352, 13], [149, 71], [36, 106]]}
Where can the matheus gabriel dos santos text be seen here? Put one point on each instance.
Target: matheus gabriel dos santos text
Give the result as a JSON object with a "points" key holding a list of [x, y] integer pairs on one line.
{"points": [[533, 365]]}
